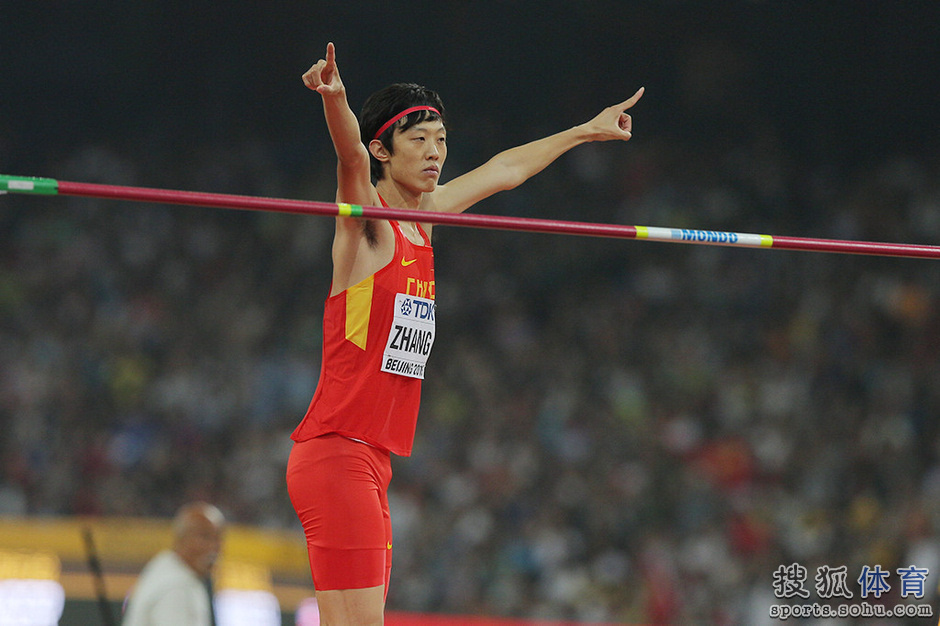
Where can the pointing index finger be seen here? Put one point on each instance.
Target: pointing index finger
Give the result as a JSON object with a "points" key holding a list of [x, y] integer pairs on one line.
{"points": [[626, 104], [330, 54]]}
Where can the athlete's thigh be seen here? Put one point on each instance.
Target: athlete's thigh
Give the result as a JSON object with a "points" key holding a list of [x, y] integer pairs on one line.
{"points": [[337, 492], [338, 488]]}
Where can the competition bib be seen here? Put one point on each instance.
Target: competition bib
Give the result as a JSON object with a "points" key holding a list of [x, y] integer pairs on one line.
{"points": [[411, 336]]}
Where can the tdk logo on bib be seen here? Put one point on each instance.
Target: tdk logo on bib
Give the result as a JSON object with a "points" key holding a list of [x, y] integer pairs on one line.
{"points": [[414, 307], [411, 336]]}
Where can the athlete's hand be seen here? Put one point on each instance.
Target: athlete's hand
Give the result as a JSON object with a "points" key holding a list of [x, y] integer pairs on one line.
{"points": [[614, 122], [323, 77]]}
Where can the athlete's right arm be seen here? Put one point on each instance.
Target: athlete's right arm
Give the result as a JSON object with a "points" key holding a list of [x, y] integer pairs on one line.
{"points": [[353, 182], [353, 255]]}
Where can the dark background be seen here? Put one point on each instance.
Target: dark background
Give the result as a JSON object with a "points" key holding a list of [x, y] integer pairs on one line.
{"points": [[837, 80]]}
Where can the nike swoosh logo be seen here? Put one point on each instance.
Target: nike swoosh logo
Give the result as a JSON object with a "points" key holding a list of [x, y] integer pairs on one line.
{"points": [[407, 263], [389, 546]]}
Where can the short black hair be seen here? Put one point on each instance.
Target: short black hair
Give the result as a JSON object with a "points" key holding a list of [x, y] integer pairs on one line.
{"points": [[385, 104]]}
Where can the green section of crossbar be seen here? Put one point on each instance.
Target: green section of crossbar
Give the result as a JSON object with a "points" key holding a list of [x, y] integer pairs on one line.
{"points": [[29, 184]]}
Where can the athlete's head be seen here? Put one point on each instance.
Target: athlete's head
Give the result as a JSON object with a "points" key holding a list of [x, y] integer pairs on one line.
{"points": [[380, 115]]}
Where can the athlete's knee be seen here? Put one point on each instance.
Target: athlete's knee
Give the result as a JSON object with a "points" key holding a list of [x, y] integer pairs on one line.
{"points": [[352, 607], [350, 618], [350, 621]]}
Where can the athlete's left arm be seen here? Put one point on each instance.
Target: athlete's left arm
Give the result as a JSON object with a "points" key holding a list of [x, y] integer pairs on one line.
{"points": [[513, 167]]}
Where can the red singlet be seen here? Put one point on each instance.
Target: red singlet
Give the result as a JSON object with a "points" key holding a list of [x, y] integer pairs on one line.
{"points": [[382, 322]]}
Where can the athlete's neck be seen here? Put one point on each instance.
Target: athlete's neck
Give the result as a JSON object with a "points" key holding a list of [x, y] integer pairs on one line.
{"points": [[396, 195]]}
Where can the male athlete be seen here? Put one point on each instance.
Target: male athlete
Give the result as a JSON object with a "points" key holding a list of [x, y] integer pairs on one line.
{"points": [[378, 323]]}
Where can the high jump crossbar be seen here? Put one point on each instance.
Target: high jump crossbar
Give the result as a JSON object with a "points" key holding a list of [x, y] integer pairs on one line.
{"points": [[51, 187]]}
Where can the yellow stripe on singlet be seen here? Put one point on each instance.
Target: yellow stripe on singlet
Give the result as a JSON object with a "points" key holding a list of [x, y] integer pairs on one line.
{"points": [[358, 309]]}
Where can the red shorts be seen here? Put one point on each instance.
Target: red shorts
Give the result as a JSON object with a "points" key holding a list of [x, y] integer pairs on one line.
{"points": [[339, 489]]}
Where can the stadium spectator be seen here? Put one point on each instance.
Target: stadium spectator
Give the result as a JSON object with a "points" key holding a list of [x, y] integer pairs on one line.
{"points": [[175, 586]]}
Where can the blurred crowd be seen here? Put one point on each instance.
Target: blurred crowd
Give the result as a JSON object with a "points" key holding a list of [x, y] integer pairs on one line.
{"points": [[610, 430]]}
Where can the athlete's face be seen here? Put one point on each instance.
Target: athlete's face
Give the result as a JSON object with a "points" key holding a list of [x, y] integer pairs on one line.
{"points": [[419, 155]]}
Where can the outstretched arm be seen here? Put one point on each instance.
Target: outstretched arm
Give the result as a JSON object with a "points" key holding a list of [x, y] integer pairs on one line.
{"points": [[354, 184], [511, 168]]}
